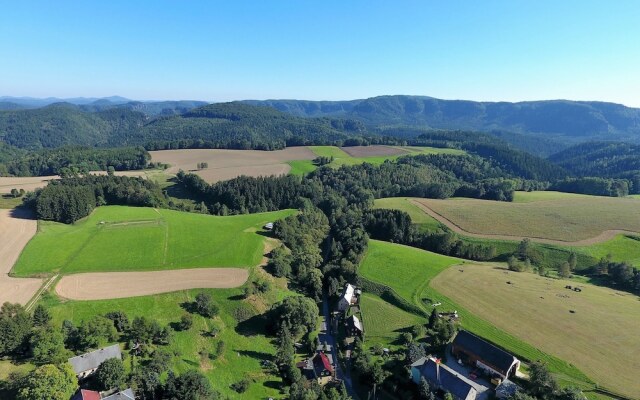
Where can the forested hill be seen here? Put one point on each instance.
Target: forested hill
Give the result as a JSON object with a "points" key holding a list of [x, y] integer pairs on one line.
{"points": [[573, 121], [602, 159], [225, 125]]}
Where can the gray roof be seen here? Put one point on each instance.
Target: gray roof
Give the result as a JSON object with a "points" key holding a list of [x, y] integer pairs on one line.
{"points": [[485, 351], [89, 361], [354, 322], [450, 381], [124, 395]]}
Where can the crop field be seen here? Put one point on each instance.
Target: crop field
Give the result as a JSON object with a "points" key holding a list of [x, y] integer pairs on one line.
{"points": [[228, 164], [117, 238], [118, 285], [383, 321], [596, 329], [579, 221], [409, 271], [16, 229], [245, 342]]}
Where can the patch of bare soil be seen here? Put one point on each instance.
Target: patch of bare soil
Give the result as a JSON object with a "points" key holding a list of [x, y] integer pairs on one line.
{"points": [[118, 285], [228, 164], [17, 227], [373, 151]]}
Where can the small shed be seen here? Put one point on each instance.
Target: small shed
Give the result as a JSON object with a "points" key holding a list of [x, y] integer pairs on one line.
{"points": [[268, 226]]}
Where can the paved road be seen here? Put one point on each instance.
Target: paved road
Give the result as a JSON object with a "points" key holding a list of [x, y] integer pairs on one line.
{"points": [[327, 337]]}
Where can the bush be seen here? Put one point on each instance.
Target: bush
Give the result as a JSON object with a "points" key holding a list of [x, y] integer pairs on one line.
{"points": [[241, 386]]}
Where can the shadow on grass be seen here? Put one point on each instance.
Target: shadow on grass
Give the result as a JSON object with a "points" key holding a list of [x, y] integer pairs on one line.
{"points": [[256, 325], [273, 385], [258, 355]]}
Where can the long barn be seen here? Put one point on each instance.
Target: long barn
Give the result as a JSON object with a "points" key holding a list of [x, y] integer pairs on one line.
{"points": [[472, 350]]}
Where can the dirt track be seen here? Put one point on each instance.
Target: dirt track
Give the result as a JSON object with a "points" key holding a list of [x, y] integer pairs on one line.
{"points": [[16, 229], [603, 237], [228, 164], [117, 285]]}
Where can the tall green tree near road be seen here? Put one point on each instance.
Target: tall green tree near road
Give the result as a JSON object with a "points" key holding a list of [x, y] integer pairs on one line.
{"points": [[48, 382]]}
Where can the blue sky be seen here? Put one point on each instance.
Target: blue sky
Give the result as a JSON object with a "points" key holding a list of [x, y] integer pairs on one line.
{"points": [[507, 50]]}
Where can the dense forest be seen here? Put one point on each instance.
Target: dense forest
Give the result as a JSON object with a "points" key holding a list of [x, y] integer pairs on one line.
{"points": [[84, 159]]}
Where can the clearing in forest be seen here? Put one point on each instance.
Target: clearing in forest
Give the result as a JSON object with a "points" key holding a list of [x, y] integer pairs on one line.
{"points": [[596, 329], [118, 238], [569, 220]]}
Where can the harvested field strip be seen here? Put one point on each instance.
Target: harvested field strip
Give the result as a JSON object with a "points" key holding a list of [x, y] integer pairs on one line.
{"points": [[373, 151], [580, 222], [118, 285], [538, 310], [17, 227], [229, 164]]}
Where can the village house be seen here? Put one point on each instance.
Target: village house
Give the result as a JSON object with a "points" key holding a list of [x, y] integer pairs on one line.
{"points": [[348, 297], [441, 377], [354, 326], [319, 367], [84, 394], [86, 364], [472, 350]]}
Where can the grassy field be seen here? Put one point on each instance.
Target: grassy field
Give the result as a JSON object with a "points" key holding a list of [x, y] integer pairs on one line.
{"points": [[563, 219], [7, 201], [537, 310], [343, 158], [409, 271], [383, 321], [418, 217], [117, 238], [245, 342]]}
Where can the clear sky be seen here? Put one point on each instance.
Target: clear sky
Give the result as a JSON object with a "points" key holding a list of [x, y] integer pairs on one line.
{"points": [[322, 50]]}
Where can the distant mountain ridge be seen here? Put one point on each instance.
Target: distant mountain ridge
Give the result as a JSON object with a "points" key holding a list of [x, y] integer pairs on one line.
{"points": [[570, 121]]}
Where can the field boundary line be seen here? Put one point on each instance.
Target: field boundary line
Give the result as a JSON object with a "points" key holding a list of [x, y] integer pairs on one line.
{"points": [[602, 237], [39, 293]]}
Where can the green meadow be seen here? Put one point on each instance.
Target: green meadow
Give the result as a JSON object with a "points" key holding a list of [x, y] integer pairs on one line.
{"points": [[342, 158], [408, 271], [118, 238], [418, 217], [245, 342]]}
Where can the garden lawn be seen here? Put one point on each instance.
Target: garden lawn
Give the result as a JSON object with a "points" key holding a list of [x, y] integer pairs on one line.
{"points": [[245, 343], [384, 322], [118, 238]]}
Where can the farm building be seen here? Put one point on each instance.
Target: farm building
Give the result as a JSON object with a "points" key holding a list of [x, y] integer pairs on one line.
{"points": [[86, 364], [354, 326], [443, 378], [472, 350], [348, 297]]}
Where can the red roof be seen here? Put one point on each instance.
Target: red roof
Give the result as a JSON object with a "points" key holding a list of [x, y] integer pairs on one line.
{"points": [[89, 395], [324, 360]]}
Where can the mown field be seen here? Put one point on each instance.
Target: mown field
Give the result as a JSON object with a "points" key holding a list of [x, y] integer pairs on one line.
{"points": [[360, 154], [117, 238], [384, 321], [418, 216], [596, 330], [245, 342], [409, 271], [622, 247], [567, 219]]}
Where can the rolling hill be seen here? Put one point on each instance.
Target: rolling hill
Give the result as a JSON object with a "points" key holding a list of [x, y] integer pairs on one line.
{"points": [[571, 121]]}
